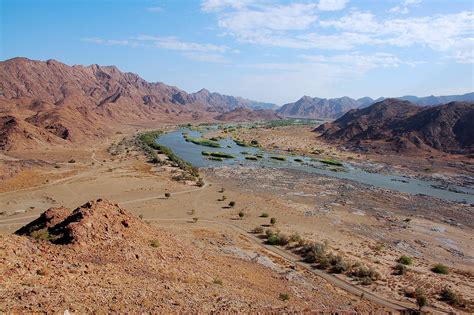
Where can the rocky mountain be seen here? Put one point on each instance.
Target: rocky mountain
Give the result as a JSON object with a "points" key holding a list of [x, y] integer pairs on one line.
{"points": [[314, 107], [308, 107], [246, 114], [51, 102], [401, 125], [100, 258]]}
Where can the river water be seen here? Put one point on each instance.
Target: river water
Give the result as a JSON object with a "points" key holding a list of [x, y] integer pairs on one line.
{"points": [[191, 152]]}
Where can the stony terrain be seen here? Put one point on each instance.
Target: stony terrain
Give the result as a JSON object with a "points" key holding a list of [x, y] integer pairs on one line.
{"points": [[99, 258], [405, 127]]}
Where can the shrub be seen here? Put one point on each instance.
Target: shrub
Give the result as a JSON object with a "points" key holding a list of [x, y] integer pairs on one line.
{"points": [[241, 215], [295, 237], [200, 182], [405, 260], [140, 216], [155, 243], [72, 161], [273, 221], [269, 233], [41, 235], [314, 251], [400, 269], [195, 219], [264, 215], [273, 239], [421, 299], [440, 268], [167, 195], [339, 267], [449, 296], [218, 281], [323, 263], [366, 281], [232, 204], [222, 190], [363, 272], [258, 230], [284, 296], [278, 158]]}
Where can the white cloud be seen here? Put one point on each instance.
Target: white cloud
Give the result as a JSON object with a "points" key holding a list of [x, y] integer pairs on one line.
{"points": [[217, 5], [190, 50], [404, 7], [332, 5]]}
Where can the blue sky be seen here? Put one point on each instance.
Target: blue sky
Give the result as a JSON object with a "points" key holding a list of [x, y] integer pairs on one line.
{"points": [[266, 50]]}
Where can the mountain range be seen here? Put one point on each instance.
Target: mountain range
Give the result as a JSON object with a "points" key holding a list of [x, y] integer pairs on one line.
{"points": [[315, 107], [401, 126], [50, 102]]}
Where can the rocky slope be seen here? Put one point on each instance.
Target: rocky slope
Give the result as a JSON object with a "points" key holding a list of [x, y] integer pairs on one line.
{"points": [[402, 126], [98, 258], [51, 102], [244, 114], [308, 107]]}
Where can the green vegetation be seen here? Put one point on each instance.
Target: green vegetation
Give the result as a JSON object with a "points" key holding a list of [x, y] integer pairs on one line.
{"points": [[232, 204], [284, 296], [421, 300], [273, 221], [400, 269], [245, 152], [264, 215], [279, 158], [147, 142], [278, 239], [405, 260], [331, 162], [440, 268], [42, 235], [213, 158], [218, 155], [155, 243], [195, 219], [202, 141], [298, 160], [241, 143], [251, 158], [167, 195], [217, 281], [450, 297]]}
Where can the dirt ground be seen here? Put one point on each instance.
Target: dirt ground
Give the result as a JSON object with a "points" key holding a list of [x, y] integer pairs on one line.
{"points": [[361, 223]]}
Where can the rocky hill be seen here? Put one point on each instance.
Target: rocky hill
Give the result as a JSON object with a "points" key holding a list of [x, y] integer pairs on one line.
{"points": [[244, 114], [308, 107], [51, 102], [402, 125], [314, 107], [99, 258]]}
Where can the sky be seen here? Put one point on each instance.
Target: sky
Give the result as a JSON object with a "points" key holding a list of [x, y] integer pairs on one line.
{"points": [[266, 50]]}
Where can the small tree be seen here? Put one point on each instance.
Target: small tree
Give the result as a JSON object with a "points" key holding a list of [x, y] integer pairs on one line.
{"points": [[241, 215], [421, 299], [273, 221], [167, 195], [232, 204]]}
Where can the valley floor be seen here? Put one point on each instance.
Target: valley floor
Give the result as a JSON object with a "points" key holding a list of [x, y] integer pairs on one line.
{"points": [[360, 223]]}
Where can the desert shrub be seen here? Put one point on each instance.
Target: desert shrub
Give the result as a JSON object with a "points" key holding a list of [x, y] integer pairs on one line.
{"points": [[140, 216], [241, 214], [195, 219], [284, 296], [295, 237], [323, 263], [269, 233], [273, 239], [264, 215], [43, 271], [449, 296], [314, 251], [273, 221], [167, 195], [200, 182], [278, 239], [366, 280], [405, 260], [440, 268], [232, 204], [400, 269], [41, 235], [155, 243], [72, 161], [218, 281], [339, 267], [421, 299], [222, 190], [258, 230], [364, 272]]}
